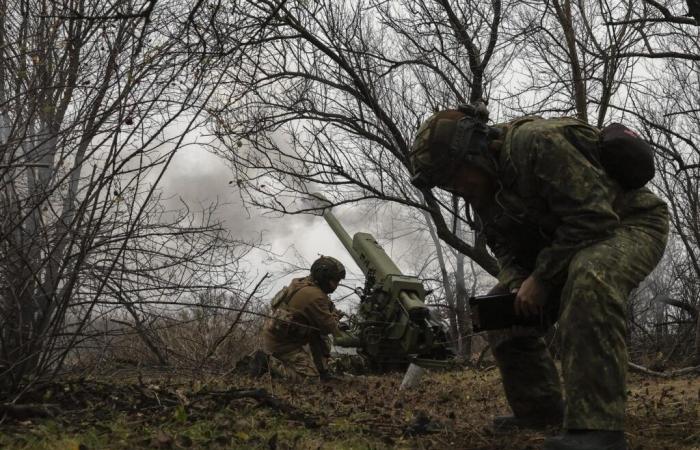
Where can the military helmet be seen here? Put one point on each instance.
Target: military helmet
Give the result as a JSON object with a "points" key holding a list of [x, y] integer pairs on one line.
{"points": [[327, 268], [447, 138]]}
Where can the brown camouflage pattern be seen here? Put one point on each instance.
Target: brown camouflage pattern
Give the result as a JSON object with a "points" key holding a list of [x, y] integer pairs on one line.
{"points": [[303, 363], [296, 334]]}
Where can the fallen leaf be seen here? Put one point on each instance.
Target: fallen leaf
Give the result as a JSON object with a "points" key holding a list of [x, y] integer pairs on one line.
{"points": [[242, 435], [162, 440]]}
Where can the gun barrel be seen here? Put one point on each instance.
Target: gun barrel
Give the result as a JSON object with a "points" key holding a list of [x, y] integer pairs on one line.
{"points": [[339, 231], [373, 255]]}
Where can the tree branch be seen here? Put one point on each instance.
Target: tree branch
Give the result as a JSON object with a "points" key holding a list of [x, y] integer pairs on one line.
{"points": [[673, 373]]}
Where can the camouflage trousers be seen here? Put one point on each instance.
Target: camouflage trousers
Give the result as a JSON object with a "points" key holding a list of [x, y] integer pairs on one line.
{"points": [[592, 327], [302, 362]]}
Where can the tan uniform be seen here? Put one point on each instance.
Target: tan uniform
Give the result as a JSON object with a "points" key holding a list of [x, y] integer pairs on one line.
{"points": [[296, 336]]}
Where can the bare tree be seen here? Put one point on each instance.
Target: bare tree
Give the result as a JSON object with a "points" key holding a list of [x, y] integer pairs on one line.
{"points": [[571, 61], [456, 285], [96, 98], [334, 92], [671, 119], [331, 94]]}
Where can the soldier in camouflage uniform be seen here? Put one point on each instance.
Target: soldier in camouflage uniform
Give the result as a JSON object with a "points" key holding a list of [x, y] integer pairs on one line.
{"points": [[296, 335], [566, 236]]}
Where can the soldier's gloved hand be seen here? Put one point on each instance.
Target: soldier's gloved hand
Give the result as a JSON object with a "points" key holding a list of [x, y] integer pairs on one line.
{"points": [[531, 297]]}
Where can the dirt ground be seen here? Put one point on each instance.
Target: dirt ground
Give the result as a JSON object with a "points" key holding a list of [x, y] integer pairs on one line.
{"points": [[450, 410]]}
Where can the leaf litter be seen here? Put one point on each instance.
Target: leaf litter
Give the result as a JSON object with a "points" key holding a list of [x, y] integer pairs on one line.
{"points": [[448, 410]]}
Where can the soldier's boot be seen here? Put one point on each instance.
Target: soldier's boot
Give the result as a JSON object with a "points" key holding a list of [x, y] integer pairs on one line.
{"points": [[587, 440], [512, 423], [327, 377], [546, 418]]}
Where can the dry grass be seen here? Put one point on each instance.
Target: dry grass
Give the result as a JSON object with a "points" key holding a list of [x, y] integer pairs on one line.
{"points": [[449, 410]]}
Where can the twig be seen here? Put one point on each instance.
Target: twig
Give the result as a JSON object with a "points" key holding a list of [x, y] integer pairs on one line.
{"points": [[12, 166], [266, 399], [673, 373], [27, 410], [223, 337]]}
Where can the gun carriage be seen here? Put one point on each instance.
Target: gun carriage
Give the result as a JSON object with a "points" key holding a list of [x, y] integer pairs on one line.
{"points": [[393, 326]]}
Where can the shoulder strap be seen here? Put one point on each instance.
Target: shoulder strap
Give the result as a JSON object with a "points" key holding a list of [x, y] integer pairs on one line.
{"points": [[284, 296]]}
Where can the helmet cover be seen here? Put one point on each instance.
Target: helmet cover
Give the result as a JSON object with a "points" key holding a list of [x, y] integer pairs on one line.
{"points": [[326, 269], [446, 138]]}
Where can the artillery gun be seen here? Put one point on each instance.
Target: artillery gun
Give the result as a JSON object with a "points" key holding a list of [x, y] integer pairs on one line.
{"points": [[393, 327]]}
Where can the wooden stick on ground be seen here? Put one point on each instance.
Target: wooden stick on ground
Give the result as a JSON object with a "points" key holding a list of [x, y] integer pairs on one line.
{"points": [[673, 373], [27, 410]]}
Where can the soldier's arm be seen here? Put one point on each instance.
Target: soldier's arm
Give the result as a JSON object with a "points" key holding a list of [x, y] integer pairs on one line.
{"points": [[510, 274], [320, 352], [578, 193], [318, 312]]}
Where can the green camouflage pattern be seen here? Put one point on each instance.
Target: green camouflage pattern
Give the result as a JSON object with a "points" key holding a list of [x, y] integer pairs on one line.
{"points": [[530, 379], [593, 325], [436, 131], [561, 218], [430, 149]]}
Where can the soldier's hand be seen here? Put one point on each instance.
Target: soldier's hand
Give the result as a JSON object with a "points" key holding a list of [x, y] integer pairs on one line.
{"points": [[530, 298]]}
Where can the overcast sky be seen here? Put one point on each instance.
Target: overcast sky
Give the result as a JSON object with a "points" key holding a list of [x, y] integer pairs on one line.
{"points": [[199, 177]]}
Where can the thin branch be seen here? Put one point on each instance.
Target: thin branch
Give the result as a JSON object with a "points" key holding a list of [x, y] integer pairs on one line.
{"points": [[671, 374]]}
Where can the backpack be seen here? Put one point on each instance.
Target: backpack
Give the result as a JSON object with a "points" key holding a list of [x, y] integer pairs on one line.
{"points": [[281, 322], [280, 297]]}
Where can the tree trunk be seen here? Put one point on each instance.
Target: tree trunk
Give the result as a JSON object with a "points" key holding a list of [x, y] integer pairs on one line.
{"points": [[449, 293], [693, 311], [697, 337], [463, 319], [578, 83]]}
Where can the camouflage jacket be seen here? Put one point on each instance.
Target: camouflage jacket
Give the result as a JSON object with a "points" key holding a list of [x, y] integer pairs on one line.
{"points": [[554, 199], [305, 313]]}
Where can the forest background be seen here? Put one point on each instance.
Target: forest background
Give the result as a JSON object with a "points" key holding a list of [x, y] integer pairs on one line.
{"points": [[158, 156]]}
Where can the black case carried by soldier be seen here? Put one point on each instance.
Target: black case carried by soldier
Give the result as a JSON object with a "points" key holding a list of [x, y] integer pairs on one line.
{"points": [[497, 312]]}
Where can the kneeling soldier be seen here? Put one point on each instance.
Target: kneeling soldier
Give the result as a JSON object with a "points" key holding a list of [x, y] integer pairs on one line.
{"points": [[296, 336]]}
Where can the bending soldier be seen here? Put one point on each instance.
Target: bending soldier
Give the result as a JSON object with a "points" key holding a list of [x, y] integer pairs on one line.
{"points": [[567, 236], [296, 336]]}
